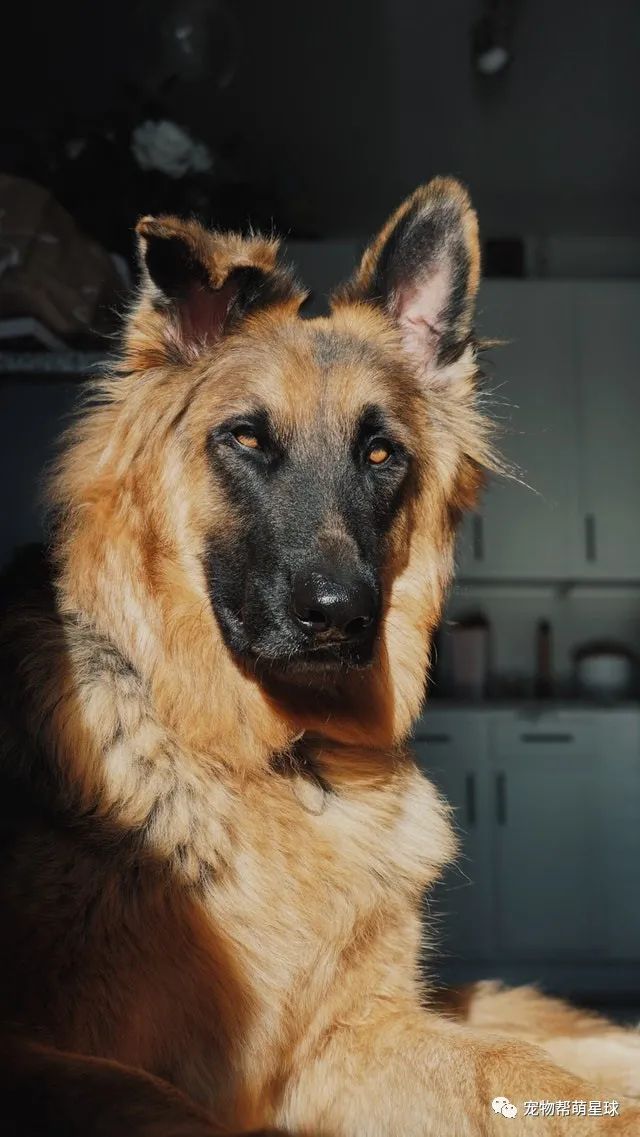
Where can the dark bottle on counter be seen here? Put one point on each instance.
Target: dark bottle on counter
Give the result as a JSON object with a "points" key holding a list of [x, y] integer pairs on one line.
{"points": [[543, 684]]}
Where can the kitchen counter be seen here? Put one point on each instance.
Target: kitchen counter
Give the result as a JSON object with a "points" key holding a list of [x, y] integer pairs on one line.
{"points": [[530, 708]]}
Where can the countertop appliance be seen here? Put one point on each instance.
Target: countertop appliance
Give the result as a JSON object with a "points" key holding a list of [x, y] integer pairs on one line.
{"points": [[605, 671]]}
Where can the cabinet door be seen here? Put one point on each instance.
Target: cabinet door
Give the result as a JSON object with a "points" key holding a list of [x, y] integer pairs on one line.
{"points": [[619, 753], [608, 344], [523, 532], [451, 751], [549, 839]]}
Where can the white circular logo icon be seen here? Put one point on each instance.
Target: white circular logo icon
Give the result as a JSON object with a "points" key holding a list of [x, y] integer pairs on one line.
{"points": [[503, 1105]]}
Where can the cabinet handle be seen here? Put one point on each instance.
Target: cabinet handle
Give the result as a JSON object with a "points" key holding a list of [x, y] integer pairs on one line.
{"points": [[470, 795], [501, 799], [590, 537], [434, 738], [478, 538], [546, 738]]}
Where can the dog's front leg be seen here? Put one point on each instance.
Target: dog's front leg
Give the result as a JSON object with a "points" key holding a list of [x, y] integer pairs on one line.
{"points": [[390, 1073]]}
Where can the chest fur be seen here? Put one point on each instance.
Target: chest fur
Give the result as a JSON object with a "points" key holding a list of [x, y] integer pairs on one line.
{"points": [[305, 856], [313, 865]]}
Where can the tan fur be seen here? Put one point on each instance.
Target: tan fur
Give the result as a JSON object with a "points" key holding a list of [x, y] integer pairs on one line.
{"points": [[583, 1041], [230, 913]]}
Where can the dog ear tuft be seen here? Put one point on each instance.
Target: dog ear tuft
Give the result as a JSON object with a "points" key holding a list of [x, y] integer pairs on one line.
{"points": [[423, 269], [201, 282], [174, 263]]}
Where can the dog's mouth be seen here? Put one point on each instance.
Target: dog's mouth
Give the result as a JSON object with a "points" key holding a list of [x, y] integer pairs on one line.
{"points": [[290, 656], [319, 659], [275, 647]]}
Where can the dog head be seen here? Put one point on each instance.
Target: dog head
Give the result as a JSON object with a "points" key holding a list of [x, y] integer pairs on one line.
{"points": [[300, 480]]}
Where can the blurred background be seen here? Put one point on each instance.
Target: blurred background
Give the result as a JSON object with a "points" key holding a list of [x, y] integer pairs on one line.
{"points": [[315, 121]]}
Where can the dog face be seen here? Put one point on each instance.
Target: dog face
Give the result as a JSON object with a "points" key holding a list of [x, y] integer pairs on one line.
{"points": [[300, 478], [317, 440], [314, 470]]}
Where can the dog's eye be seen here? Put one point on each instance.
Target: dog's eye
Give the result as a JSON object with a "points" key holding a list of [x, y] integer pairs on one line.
{"points": [[378, 452], [244, 437]]}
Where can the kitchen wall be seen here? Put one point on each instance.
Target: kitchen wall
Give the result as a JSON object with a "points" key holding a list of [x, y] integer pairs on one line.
{"points": [[580, 614]]}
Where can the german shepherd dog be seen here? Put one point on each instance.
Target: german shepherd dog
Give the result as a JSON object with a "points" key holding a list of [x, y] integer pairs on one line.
{"points": [[215, 841]]}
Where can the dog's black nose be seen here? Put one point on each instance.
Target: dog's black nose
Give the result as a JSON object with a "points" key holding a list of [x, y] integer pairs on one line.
{"points": [[333, 608]]}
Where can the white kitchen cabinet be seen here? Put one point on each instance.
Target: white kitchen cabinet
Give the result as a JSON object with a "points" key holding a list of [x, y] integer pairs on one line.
{"points": [[548, 808], [520, 532], [619, 752], [452, 751], [549, 838], [608, 368]]}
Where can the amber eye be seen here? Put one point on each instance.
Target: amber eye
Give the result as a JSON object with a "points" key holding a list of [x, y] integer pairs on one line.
{"points": [[378, 453], [247, 439]]}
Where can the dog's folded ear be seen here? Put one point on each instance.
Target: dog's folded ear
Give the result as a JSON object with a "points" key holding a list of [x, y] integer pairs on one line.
{"points": [[197, 283], [423, 269]]}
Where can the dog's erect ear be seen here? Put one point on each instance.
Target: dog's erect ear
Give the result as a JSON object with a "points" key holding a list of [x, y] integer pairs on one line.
{"points": [[197, 283], [423, 268]]}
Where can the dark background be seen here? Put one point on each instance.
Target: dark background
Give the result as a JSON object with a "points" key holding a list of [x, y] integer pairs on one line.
{"points": [[323, 115]]}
